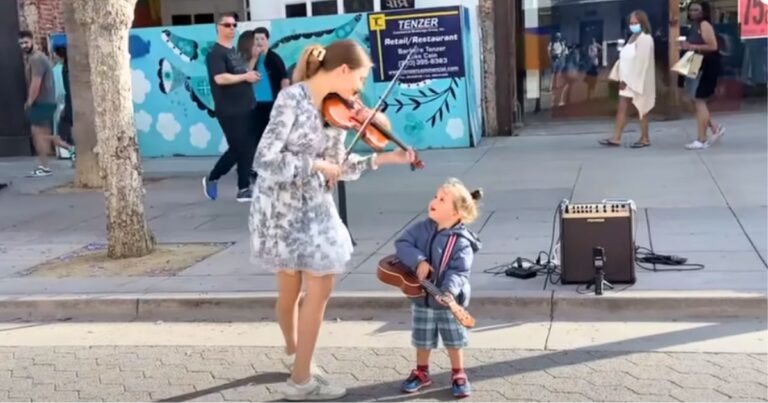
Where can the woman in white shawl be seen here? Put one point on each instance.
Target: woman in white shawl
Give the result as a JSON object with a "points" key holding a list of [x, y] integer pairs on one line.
{"points": [[637, 79]]}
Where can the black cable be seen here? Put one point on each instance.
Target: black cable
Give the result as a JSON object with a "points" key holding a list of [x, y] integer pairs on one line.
{"points": [[553, 273], [540, 266], [583, 290], [550, 267], [645, 255]]}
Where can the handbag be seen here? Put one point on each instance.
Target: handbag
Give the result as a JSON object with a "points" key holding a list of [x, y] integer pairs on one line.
{"points": [[614, 74], [689, 65]]}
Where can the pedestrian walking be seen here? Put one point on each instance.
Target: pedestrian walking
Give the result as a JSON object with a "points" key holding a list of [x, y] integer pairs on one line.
{"points": [[230, 80], [253, 46], [702, 40], [637, 80], [41, 104]]}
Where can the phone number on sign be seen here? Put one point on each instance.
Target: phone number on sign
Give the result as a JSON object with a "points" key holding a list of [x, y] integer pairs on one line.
{"points": [[424, 62]]}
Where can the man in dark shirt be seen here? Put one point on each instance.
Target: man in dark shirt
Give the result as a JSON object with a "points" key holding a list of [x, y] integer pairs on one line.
{"points": [[230, 80], [41, 103]]}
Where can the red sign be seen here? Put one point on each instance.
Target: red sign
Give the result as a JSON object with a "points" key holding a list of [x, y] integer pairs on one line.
{"points": [[753, 16]]}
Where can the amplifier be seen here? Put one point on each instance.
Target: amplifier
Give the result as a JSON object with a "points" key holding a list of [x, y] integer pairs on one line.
{"points": [[608, 224]]}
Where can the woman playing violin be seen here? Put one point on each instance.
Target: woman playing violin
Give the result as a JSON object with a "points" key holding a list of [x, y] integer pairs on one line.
{"points": [[295, 229]]}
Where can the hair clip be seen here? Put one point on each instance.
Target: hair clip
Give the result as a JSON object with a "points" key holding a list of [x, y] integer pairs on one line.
{"points": [[319, 53]]}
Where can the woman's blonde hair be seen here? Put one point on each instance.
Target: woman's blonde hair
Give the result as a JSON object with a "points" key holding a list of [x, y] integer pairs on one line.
{"points": [[316, 58], [465, 203]]}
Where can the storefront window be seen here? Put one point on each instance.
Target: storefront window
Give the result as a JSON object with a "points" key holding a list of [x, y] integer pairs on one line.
{"points": [[569, 47], [358, 6], [325, 7], [397, 4], [296, 10]]}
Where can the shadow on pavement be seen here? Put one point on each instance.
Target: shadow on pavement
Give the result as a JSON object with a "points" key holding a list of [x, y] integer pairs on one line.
{"points": [[390, 391], [260, 379]]}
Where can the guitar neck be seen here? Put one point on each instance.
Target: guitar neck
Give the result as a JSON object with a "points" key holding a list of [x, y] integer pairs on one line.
{"points": [[431, 288], [458, 312]]}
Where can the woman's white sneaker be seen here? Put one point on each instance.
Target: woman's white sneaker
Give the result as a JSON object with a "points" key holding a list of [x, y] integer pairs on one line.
{"points": [[316, 389], [288, 363], [716, 135], [696, 145]]}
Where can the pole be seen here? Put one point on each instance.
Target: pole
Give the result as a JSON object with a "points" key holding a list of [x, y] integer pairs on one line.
{"points": [[342, 194]]}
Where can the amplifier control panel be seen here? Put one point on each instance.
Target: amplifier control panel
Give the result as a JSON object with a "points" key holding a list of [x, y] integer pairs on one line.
{"points": [[595, 210]]}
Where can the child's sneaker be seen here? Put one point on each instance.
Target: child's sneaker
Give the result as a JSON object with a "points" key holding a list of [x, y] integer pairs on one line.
{"points": [[416, 381], [460, 386]]}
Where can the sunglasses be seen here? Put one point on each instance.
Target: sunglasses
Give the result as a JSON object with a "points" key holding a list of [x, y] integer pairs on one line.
{"points": [[229, 24]]}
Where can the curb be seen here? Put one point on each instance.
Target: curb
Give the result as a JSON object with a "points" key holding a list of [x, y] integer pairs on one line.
{"points": [[259, 306]]}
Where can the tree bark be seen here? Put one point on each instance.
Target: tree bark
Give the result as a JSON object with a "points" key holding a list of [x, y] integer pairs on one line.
{"points": [[488, 57], [87, 171], [109, 22]]}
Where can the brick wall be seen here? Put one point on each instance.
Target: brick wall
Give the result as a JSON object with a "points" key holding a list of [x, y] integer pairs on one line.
{"points": [[42, 17]]}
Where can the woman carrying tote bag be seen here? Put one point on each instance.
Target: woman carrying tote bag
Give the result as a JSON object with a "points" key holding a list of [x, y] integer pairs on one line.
{"points": [[637, 79], [702, 39]]}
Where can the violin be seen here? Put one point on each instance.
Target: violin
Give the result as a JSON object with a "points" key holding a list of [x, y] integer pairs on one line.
{"points": [[352, 115]]}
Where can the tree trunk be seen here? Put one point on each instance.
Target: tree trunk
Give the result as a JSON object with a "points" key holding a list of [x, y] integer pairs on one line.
{"points": [[87, 171], [488, 57], [108, 23]]}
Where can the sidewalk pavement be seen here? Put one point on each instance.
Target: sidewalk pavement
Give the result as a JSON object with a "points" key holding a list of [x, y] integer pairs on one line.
{"points": [[245, 362], [708, 206]]}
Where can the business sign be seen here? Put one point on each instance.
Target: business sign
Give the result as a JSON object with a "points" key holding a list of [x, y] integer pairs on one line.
{"points": [[753, 17], [397, 4], [435, 33]]}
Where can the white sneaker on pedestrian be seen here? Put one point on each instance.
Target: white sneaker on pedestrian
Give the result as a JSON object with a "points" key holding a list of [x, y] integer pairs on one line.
{"points": [[716, 136], [696, 145], [288, 363], [316, 389], [41, 171]]}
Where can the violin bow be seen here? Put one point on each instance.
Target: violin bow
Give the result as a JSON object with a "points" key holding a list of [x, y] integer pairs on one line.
{"points": [[379, 103]]}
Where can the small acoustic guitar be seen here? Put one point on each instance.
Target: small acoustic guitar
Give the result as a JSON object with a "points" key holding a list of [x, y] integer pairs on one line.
{"points": [[393, 272]]}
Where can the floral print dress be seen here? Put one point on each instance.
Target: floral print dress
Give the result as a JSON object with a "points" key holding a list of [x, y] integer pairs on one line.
{"points": [[294, 222]]}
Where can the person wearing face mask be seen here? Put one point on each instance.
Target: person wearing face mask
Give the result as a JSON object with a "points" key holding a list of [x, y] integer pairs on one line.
{"points": [[637, 80], [702, 39]]}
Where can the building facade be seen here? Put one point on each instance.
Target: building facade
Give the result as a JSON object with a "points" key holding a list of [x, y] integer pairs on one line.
{"points": [[534, 61], [41, 17]]}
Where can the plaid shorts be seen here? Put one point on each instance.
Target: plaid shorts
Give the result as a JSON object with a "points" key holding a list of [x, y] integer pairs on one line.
{"points": [[428, 323]]}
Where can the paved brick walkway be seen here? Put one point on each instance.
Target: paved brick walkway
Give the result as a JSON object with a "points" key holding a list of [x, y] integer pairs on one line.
{"points": [[184, 373]]}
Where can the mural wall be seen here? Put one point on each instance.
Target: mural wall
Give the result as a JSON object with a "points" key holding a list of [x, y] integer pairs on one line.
{"points": [[175, 113]]}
